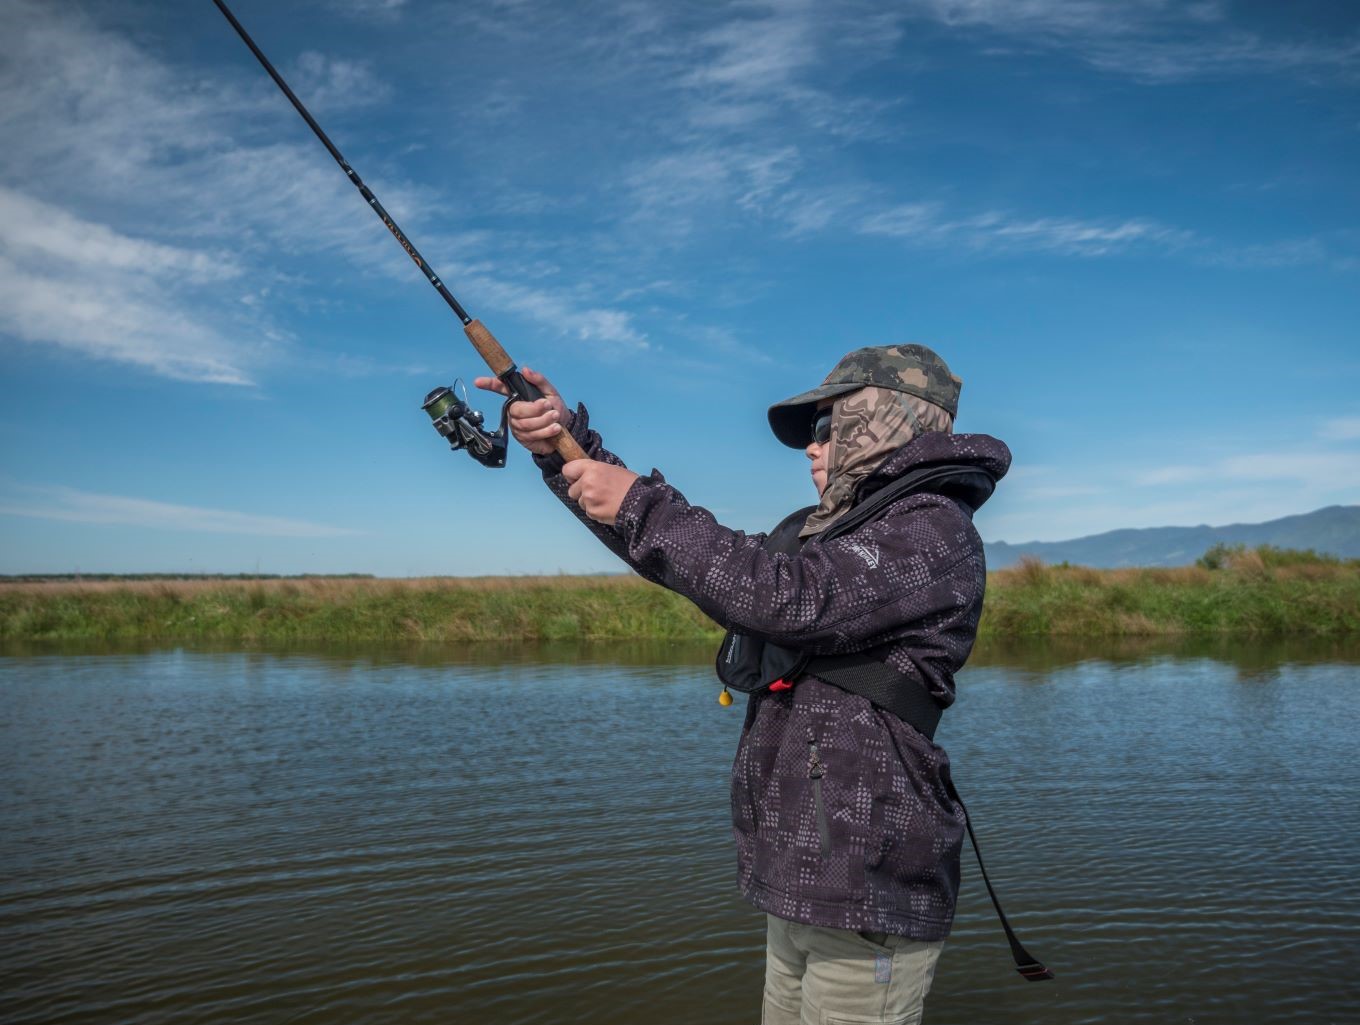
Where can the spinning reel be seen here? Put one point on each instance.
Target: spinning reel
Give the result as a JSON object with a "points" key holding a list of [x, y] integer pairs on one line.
{"points": [[455, 420]]}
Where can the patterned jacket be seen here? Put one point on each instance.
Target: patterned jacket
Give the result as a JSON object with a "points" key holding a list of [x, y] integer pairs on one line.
{"points": [[874, 846]]}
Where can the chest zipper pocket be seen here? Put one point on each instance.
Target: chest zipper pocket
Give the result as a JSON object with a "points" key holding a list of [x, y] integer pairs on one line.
{"points": [[816, 770]]}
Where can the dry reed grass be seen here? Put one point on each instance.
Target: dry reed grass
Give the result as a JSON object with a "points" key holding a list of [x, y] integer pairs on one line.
{"points": [[1265, 592]]}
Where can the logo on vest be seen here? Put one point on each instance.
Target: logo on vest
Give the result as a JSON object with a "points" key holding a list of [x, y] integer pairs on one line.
{"points": [[866, 552]]}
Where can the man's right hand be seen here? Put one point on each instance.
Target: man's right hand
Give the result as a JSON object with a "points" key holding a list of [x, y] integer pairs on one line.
{"points": [[535, 425]]}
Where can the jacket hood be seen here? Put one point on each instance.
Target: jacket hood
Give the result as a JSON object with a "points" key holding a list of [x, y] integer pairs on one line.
{"points": [[978, 451]]}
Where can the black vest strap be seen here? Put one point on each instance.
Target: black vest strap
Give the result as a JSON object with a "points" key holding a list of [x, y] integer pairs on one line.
{"points": [[865, 675], [1026, 965], [748, 665]]}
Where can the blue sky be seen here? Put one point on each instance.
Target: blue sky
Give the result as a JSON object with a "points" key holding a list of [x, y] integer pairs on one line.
{"points": [[1132, 227]]}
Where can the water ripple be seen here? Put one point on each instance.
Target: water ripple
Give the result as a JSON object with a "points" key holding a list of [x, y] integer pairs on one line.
{"points": [[259, 838]]}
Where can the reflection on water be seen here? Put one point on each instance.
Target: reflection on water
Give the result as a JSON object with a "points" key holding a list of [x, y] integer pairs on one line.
{"points": [[1036, 654], [539, 835]]}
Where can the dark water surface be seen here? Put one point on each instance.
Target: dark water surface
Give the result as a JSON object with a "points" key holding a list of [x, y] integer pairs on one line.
{"points": [[431, 836]]}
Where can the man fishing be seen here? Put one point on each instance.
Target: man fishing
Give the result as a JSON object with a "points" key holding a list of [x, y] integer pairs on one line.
{"points": [[846, 625], [847, 825]]}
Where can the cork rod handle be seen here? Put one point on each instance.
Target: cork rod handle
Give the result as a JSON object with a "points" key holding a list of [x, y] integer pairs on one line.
{"points": [[485, 342], [497, 359]]}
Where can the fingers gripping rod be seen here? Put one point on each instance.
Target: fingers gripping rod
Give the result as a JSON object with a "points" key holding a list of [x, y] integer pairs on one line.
{"points": [[482, 340]]}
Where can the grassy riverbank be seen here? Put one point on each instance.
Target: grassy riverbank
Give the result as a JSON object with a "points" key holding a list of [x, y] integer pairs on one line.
{"points": [[1261, 593]]}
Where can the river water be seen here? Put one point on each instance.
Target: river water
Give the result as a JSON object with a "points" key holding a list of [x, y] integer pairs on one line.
{"points": [[435, 835]]}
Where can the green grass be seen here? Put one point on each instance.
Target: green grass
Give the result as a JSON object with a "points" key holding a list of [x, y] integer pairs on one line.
{"points": [[492, 609], [1260, 592], [1263, 592]]}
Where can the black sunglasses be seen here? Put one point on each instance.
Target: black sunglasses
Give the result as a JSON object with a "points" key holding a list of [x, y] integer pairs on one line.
{"points": [[821, 426]]}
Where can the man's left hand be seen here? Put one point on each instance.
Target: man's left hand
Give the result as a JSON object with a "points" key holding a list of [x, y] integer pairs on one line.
{"points": [[598, 488]]}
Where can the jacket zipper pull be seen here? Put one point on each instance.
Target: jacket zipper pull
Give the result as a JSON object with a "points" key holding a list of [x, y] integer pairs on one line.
{"points": [[816, 770]]}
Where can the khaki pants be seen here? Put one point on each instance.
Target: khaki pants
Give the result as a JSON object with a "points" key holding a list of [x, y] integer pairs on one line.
{"points": [[816, 976]]}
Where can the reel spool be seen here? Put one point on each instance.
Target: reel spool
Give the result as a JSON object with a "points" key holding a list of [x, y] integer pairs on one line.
{"points": [[461, 425]]}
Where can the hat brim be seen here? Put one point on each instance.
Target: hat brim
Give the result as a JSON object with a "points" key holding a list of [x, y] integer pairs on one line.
{"points": [[791, 419]]}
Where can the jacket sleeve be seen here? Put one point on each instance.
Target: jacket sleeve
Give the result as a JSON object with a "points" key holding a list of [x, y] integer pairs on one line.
{"points": [[551, 466], [918, 570]]}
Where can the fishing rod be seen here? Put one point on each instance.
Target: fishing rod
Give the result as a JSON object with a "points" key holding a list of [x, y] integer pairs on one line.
{"points": [[451, 415]]}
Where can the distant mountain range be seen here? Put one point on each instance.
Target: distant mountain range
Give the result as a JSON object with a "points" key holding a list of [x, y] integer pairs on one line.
{"points": [[1334, 530]]}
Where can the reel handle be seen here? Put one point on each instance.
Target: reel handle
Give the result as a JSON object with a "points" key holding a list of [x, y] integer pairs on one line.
{"points": [[504, 367]]}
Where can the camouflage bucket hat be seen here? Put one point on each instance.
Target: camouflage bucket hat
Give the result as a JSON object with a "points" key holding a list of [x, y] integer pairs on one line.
{"points": [[913, 369]]}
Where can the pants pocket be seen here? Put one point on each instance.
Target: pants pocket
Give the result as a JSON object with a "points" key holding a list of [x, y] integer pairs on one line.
{"points": [[852, 979], [876, 939]]}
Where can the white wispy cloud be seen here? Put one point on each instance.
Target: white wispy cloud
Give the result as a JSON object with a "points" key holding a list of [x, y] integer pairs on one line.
{"points": [[931, 224], [1334, 469], [759, 101], [1322, 463], [367, 8], [38, 232], [1147, 39], [760, 87], [935, 224], [1159, 476], [768, 65], [184, 169], [103, 125], [674, 192], [1243, 480], [817, 208], [757, 56], [563, 314], [1341, 428], [1020, 521], [756, 104], [90, 289], [1068, 235], [742, 116], [75, 506], [1298, 252], [330, 82]]}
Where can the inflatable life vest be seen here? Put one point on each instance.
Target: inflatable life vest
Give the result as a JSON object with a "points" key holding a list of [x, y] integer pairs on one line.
{"points": [[751, 665]]}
